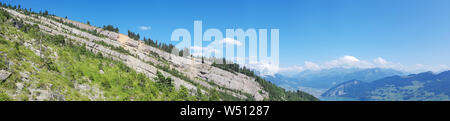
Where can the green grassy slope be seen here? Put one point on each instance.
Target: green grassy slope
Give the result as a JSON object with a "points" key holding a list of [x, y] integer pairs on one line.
{"points": [[66, 70]]}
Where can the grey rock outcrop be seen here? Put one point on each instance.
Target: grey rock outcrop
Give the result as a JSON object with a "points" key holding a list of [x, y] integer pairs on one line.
{"points": [[143, 59], [4, 75]]}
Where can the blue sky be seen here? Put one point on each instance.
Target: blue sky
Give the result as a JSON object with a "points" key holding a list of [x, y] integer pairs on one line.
{"points": [[406, 32]]}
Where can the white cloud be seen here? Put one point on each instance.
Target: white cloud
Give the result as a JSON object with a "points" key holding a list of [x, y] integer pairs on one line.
{"points": [[231, 41], [422, 68], [348, 62], [349, 59], [311, 66], [380, 60], [145, 28], [197, 48], [292, 69], [211, 48], [264, 67], [353, 62], [200, 51]]}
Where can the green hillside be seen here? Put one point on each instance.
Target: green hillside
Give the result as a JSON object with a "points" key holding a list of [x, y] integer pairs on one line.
{"points": [[42, 66]]}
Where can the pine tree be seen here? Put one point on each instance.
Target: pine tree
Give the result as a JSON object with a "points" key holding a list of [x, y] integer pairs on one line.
{"points": [[224, 61], [180, 53], [203, 60], [45, 13]]}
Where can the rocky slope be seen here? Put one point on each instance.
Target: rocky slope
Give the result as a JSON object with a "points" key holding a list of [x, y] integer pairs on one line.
{"points": [[184, 71]]}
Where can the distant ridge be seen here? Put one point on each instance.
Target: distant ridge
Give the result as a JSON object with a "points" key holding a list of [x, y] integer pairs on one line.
{"points": [[418, 87]]}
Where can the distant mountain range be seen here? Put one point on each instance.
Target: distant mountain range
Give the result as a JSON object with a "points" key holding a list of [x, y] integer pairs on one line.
{"points": [[422, 86], [317, 82]]}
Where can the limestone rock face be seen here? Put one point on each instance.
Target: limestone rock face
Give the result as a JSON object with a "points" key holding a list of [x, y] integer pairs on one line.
{"points": [[4, 75], [146, 59]]}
